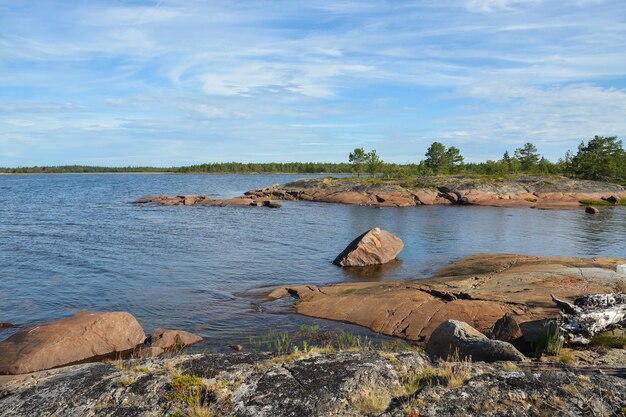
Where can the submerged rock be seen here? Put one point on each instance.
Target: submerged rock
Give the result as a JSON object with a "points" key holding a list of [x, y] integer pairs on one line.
{"points": [[456, 339], [373, 247], [81, 337], [592, 210]]}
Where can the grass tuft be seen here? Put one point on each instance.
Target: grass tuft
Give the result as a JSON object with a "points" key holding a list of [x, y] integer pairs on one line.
{"points": [[607, 339], [185, 390]]}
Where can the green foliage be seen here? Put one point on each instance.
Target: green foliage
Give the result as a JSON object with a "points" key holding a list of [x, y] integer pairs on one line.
{"points": [[601, 159], [358, 159], [441, 160], [622, 202], [185, 390], [361, 160], [527, 156], [607, 339], [550, 341]]}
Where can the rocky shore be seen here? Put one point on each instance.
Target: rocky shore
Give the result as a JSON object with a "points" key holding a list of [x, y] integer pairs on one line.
{"points": [[459, 371], [547, 192], [478, 290]]}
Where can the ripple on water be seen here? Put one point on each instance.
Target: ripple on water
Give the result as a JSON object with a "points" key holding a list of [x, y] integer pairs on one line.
{"points": [[80, 245]]}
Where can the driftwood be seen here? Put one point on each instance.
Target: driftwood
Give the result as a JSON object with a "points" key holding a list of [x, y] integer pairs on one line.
{"points": [[590, 315]]}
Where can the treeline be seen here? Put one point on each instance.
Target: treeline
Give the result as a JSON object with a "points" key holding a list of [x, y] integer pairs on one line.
{"points": [[600, 159], [271, 168], [80, 169]]}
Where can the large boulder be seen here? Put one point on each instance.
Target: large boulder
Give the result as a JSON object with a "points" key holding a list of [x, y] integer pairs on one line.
{"points": [[373, 247], [166, 338], [457, 339], [74, 339]]}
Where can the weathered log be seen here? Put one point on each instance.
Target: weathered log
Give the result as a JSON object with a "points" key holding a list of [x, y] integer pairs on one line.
{"points": [[590, 315]]}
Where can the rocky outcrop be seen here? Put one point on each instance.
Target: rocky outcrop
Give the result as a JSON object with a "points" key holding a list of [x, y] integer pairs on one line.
{"points": [[202, 200], [373, 247], [523, 191], [78, 338], [456, 339], [478, 290], [167, 339], [310, 384]]}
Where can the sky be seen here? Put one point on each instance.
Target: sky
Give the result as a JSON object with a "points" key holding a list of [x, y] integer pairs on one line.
{"points": [[168, 83]]}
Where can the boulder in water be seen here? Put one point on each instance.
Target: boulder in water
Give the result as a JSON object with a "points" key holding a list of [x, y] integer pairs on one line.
{"points": [[373, 247]]}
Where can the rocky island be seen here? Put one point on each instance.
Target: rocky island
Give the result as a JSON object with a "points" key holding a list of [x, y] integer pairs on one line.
{"points": [[520, 191], [534, 191]]}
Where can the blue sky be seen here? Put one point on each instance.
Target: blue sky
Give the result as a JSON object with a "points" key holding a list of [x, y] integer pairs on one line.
{"points": [[165, 82]]}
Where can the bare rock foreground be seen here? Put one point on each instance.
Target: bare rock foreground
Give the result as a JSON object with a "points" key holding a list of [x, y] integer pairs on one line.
{"points": [[478, 290], [365, 383]]}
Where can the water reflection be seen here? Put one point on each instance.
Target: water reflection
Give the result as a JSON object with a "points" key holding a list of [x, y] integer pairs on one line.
{"points": [[373, 272]]}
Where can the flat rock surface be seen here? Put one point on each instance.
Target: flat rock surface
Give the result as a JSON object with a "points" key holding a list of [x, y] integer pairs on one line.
{"points": [[330, 384], [478, 290], [548, 192]]}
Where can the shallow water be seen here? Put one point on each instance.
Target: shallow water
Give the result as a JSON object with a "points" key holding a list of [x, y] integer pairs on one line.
{"points": [[72, 242]]}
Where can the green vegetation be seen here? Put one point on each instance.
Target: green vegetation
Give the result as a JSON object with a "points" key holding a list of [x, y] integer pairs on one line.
{"points": [[601, 203], [311, 339], [566, 357], [607, 339], [185, 390], [600, 159], [550, 340]]}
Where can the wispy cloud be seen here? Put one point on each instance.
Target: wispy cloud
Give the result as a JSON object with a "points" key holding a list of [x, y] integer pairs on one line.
{"points": [[86, 81]]}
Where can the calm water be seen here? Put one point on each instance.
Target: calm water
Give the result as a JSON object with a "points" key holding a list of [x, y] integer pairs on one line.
{"points": [[72, 242]]}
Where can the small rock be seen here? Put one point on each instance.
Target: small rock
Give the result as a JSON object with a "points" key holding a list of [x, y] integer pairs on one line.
{"points": [[271, 204], [591, 210], [373, 247], [613, 199], [4, 325], [505, 329], [167, 338], [238, 348], [456, 338]]}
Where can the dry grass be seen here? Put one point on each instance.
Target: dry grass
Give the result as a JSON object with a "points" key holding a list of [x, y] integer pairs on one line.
{"points": [[448, 374], [199, 411], [127, 380], [372, 401], [566, 357], [510, 367]]}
